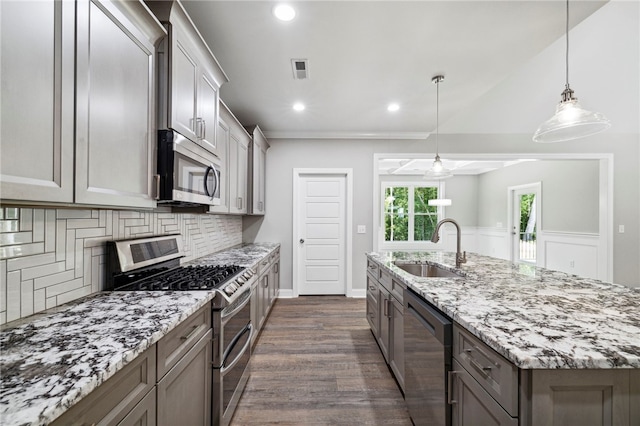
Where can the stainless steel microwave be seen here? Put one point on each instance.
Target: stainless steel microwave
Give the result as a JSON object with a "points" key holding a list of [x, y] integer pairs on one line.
{"points": [[189, 174]]}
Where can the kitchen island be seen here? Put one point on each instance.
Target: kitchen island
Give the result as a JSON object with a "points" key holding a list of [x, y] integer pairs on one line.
{"points": [[51, 361], [564, 337]]}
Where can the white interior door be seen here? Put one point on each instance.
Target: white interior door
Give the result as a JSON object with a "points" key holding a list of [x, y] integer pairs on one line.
{"points": [[321, 234], [525, 223]]}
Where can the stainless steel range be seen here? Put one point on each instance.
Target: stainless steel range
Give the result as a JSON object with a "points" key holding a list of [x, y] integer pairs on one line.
{"points": [[153, 264]]}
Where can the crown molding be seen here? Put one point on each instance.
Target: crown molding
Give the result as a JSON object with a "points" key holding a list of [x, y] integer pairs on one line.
{"points": [[346, 135]]}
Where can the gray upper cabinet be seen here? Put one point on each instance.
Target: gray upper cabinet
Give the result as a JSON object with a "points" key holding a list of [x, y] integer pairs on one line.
{"points": [[36, 120], [108, 47], [257, 171], [115, 104], [238, 148], [190, 79]]}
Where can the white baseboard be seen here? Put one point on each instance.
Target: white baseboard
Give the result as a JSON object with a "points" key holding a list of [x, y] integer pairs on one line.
{"points": [[359, 293], [285, 293]]}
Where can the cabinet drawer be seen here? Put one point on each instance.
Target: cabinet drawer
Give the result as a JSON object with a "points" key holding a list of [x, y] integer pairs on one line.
{"points": [[262, 266], [397, 289], [372, 288], [386, 280], [177, 343], [372, 313], [373, 269], [114, 399], [494, 373]]}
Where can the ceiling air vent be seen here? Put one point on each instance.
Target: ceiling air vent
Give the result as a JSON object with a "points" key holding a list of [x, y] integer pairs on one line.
{"points": [[300, 68]]}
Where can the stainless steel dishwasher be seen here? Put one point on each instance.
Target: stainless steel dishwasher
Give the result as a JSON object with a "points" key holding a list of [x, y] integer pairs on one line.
{"points": [[427, 351]]}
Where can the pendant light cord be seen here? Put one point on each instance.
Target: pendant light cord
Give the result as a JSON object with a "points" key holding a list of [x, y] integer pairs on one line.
{"points": [[567, 51], [437, 112]]}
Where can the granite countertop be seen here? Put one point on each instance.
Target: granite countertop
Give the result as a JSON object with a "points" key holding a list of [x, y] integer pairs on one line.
{"points": [[536, 318], [51, 360]]}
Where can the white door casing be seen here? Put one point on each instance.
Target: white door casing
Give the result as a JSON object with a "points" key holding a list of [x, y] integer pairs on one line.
{"points": [[322, 231]]}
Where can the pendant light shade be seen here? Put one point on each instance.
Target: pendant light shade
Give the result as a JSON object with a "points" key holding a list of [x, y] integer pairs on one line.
{"points": [[570, 120], [437, 171]]}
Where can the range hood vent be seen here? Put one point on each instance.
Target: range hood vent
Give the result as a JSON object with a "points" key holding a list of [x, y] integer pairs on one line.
{"points": [[300, 68]]}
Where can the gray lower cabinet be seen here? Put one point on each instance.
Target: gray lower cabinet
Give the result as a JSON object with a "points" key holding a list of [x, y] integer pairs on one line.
{"points": [[471, 404], [490, 390], [582, 397], [264, 291], [143, 414], [385, 314], [169, 384], [184, 393], [112, 401]]}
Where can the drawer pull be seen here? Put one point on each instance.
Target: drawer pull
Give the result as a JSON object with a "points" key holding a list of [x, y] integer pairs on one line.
{"points": [[188, 336]]}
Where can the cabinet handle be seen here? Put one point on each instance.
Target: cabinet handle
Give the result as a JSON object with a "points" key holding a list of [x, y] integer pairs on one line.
{"points": [[385, 308], [156, 179], [188, 336], [450, 399], [204, 129], [276, 268]]}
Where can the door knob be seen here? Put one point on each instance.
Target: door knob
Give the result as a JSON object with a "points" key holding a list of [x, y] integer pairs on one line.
{"points": [[301, 240]]}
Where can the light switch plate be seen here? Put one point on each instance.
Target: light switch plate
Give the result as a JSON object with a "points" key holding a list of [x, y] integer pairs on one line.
{"points": [[621, 229], [362, 229]]}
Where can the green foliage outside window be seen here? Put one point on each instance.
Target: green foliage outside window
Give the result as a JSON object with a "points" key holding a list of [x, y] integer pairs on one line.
{"points": [[397, 206]]}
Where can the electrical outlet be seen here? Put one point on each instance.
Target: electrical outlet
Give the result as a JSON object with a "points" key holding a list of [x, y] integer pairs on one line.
{"points": [[621, 229], [572, 264], [499, 225], [362, 229]]}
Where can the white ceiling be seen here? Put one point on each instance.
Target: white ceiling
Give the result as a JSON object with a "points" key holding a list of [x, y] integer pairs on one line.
{"points": [[365, 54], [416, 166]]}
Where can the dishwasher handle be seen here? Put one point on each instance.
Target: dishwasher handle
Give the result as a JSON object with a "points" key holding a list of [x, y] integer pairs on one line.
{"points": [[436, 323]]}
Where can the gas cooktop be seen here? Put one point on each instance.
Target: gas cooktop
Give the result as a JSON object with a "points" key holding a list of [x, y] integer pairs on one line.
{"points": [[153, 264]]}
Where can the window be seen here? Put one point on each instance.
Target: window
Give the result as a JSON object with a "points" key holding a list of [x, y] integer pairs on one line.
{"points": [[408, 217]]}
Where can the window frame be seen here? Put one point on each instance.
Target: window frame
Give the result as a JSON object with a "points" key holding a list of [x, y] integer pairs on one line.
{"points": [[410, 244]]}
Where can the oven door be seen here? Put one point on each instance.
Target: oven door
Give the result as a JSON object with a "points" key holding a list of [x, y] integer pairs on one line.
{"points": [[231, 365], [188, 172]]}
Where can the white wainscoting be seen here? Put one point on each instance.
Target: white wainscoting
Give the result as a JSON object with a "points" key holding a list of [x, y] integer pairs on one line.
{"points": [[493, 242], [573, 253]]}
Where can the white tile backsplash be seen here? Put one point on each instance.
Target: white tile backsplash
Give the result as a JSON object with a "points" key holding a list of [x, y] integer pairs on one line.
{"points": [[52, 256]]}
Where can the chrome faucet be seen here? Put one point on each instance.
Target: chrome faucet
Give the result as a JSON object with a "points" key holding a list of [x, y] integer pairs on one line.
{"points": [[460, 257]]}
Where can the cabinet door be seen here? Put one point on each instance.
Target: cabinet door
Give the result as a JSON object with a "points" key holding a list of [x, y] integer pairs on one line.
{"points": [[274, 279], [396, 341], [184, 84], [222, 141], [255, 311], [36, 118], [384, 324], [143, 414], [208, 116], [264, 297], [184, 394], [115, 112], [259, 147], [581, 397], [472, 405], [372, 305], [238, 162]]}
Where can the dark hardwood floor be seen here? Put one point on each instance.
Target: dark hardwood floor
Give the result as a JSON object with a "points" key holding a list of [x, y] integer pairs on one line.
{"points": [[317, 363]]}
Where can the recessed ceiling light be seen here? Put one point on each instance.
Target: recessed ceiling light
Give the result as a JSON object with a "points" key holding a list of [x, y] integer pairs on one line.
{"points": [[298, 106], [393, 107], [284, 12]]}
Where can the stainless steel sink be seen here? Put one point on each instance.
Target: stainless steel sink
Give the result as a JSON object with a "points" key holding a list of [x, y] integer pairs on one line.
{"points": [[426, 270]]}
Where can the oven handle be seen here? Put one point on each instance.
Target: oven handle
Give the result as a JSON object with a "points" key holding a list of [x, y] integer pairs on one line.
{"points": [[234, 342], [239, 307]]}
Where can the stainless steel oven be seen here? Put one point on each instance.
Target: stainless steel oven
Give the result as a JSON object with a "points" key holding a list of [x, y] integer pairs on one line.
{"points": [[189, 174], [153, 264], [232, 337]]}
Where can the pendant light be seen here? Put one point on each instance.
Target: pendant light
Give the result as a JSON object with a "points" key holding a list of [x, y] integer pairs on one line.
{"points": [[570, 120], [437, 171]]}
